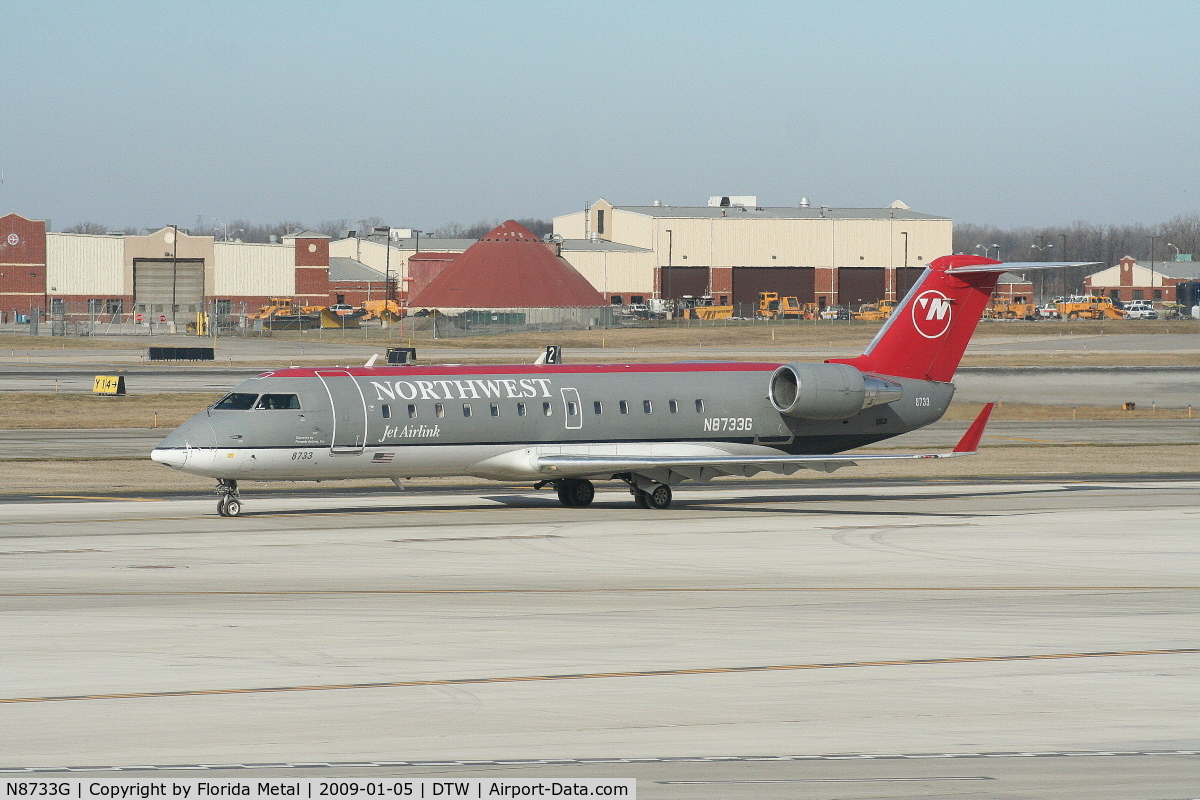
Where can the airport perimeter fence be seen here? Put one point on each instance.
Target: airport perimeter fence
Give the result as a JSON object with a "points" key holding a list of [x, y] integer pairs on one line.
{"points": [[243, 320]]}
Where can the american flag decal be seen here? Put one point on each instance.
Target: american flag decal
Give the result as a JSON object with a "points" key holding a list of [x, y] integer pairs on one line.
{"points": [[383, 458]]}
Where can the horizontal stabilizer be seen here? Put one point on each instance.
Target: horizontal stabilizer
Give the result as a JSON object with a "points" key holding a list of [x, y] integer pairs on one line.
{"points": [[1017, 266]]}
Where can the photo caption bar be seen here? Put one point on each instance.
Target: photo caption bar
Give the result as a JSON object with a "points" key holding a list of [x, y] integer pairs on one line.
{"points": [[192, 789]]}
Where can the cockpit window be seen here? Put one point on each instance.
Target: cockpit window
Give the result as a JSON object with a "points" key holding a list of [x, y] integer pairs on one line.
{"points": [[277, 401], [236, 401]]}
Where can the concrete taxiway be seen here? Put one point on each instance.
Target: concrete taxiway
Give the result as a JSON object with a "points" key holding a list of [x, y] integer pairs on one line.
{"points": [[1007, 639]]}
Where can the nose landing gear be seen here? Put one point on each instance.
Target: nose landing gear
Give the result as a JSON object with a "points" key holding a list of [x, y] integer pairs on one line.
{"points": [[229, 504]]}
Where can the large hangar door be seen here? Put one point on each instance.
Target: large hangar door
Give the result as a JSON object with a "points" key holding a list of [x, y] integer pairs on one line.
{"points": [[798, 282], [166, 286], [858, 285], [906, 278], [680, 281]]}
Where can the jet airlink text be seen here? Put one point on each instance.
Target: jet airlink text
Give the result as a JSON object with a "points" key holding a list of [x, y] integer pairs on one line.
{"points": [[462, 390]]}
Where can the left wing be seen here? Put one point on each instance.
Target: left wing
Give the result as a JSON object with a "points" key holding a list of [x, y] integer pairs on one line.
{"points": [[673, 469]]}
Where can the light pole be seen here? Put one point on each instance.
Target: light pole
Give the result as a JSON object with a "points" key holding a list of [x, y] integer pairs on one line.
{"points": [[1176, 250], [987, 247], [1152, 240], [670, 249], [386, 232], [225, 225]]}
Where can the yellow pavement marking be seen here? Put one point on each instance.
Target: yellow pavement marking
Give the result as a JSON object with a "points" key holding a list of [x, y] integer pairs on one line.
{"points": [[98, 497], [594, 675]]}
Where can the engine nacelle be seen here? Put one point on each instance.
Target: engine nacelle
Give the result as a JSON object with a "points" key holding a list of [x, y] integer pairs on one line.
{"points": [[828, 391]]}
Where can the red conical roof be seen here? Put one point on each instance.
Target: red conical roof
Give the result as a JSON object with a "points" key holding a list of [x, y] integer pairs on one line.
{"points": [[509, 267]]}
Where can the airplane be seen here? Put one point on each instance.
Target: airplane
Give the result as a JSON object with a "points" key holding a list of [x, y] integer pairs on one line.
{"points": [[651, 426]]}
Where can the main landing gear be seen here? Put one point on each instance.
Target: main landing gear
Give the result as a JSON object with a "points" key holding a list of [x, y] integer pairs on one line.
{"points": [[578, 493], [659, 497], [574, 492], [229, 505]]}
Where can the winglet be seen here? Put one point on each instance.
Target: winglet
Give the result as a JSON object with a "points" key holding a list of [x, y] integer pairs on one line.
{"points": [[969, 443]]}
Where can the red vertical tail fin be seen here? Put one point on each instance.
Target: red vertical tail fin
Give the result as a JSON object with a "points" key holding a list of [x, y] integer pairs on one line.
{"points": [[927, 334]]}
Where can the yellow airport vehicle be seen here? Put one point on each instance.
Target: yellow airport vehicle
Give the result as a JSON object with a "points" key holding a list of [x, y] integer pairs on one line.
{"points": [[876, 312], [772, 306], [1084, 307]]}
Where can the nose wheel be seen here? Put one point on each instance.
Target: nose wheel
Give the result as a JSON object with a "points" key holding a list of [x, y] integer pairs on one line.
{"points": [[228, 505]]}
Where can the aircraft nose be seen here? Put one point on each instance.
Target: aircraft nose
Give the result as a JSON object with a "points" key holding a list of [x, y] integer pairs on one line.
{"points": [[171, 457]]}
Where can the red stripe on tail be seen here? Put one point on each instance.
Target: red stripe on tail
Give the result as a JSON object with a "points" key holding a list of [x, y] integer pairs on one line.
{"points": [[927, 334]]}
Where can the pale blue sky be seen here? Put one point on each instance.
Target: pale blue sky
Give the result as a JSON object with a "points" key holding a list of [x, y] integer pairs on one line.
{"points": [[1012, 113]]}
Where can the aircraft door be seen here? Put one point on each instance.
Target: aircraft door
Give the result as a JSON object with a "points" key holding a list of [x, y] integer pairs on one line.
{"points": [[349, 411], [572, 409]]}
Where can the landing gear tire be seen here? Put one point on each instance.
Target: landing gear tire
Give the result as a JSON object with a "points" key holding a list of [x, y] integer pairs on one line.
{"points": [[575, 493], [658, 498], [229, 505]]}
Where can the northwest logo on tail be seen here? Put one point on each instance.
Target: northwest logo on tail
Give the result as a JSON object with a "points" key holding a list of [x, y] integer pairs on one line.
{"points": [[931, 314]]}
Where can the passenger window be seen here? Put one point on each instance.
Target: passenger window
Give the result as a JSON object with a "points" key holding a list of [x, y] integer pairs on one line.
{"points": [[699, 406], [647, 406], [572, 408], [674, 406], [547, 409], [412, 411], [387, 411], [466, 409], [598, 407], [495, 410], [520, 409], [439, 410], [624, 406], [236, 401]]}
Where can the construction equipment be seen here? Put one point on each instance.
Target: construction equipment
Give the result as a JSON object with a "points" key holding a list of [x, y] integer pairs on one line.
{"points": [[1083, 307], [1003, 309], [875, 312], [703, 308], [282, 314], [382, 309], [772, 306]]}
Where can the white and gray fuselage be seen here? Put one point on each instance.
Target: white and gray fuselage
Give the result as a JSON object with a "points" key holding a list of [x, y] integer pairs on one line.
{"points": [[495, 422]]}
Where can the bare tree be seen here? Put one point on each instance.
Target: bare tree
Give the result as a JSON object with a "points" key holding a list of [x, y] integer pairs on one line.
{"points": [[86, 227]]}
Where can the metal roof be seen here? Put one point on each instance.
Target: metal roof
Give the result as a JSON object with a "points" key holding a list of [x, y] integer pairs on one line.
{"points": [[601, 245], [347, 269], [774, 212], [509, 267]]}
